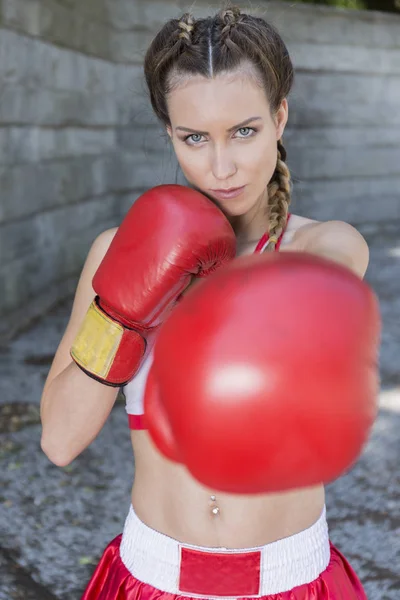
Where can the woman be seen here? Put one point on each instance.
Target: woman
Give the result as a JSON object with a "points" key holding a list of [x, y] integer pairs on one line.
{"points": [[219, 86]]}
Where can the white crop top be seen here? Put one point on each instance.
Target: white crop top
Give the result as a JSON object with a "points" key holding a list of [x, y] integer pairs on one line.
{"points": [[134, 395], [135, 389]]}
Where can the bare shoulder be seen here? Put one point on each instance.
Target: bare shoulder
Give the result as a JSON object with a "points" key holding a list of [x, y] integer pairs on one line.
{"points": [[83, 297], [296, 223], [336, 240]]}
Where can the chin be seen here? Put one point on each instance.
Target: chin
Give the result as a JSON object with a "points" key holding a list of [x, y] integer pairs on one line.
{"points": [[231, 213], [234, 209]]}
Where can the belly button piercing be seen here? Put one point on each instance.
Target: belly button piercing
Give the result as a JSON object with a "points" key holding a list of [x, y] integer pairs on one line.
{"points": [[214, 509]]}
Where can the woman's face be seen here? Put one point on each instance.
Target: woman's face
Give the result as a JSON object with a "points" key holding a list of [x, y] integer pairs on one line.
{"points": [[225, 137]]}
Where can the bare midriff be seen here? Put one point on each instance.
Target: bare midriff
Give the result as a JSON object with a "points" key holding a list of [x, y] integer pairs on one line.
{"points": [[168, 499]]}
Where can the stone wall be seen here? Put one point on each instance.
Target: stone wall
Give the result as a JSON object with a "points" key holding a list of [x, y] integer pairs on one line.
{"points": [[74, 142], [78, 141]]}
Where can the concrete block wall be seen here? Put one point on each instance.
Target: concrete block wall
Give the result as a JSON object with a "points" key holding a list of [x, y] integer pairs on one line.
{"points": [[78, 141], [344, 133]]}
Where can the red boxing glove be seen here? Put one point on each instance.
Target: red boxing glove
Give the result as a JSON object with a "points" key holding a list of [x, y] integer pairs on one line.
{"points": [[170, 235], [265, 378]]}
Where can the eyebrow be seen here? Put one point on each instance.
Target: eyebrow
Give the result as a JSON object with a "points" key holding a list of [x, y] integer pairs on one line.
{"points": [[246, 122]]}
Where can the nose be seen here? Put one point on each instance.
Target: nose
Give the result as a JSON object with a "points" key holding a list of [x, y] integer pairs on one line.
{"points": [[222, 163]]}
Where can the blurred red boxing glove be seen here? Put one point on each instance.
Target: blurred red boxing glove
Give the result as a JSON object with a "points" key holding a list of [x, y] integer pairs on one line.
{"points": [[265, 378], [170, 235]]}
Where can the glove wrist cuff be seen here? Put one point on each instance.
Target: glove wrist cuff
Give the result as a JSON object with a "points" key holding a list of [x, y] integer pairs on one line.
{"points": [[107, 350]]}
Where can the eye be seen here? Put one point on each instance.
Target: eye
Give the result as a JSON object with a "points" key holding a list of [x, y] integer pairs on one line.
{"points": [[246, 131], [193, 139]]}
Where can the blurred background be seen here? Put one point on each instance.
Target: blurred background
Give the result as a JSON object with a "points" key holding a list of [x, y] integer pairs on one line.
{"points": [[78, 145]]}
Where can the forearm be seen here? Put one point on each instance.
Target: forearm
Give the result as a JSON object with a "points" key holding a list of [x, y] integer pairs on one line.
{"points": [[74, 409]]}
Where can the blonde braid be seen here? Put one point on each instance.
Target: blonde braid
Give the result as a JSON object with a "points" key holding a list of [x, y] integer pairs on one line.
{"points": [[279, 198]]}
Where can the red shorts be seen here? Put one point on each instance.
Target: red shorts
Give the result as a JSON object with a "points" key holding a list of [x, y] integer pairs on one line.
{"points": [[222, 574]]}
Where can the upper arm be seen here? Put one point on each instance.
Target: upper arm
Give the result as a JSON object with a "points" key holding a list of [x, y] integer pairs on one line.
{"points": [[337, 241], [83, 298]]}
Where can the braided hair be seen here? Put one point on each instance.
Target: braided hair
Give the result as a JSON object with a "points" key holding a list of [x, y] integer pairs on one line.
{"points": [[214, 45]]}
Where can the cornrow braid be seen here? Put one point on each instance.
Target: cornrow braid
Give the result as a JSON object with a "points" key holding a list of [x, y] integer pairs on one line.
{"points": [[186, 26], [229, 19], [168, 47], [279, 198]]}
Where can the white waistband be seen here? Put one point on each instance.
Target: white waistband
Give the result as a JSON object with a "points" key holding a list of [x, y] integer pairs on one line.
{"points": [[156, 559]]}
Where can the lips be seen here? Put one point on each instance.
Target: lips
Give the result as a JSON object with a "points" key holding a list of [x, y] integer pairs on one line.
{"points": [[228, 194]]}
